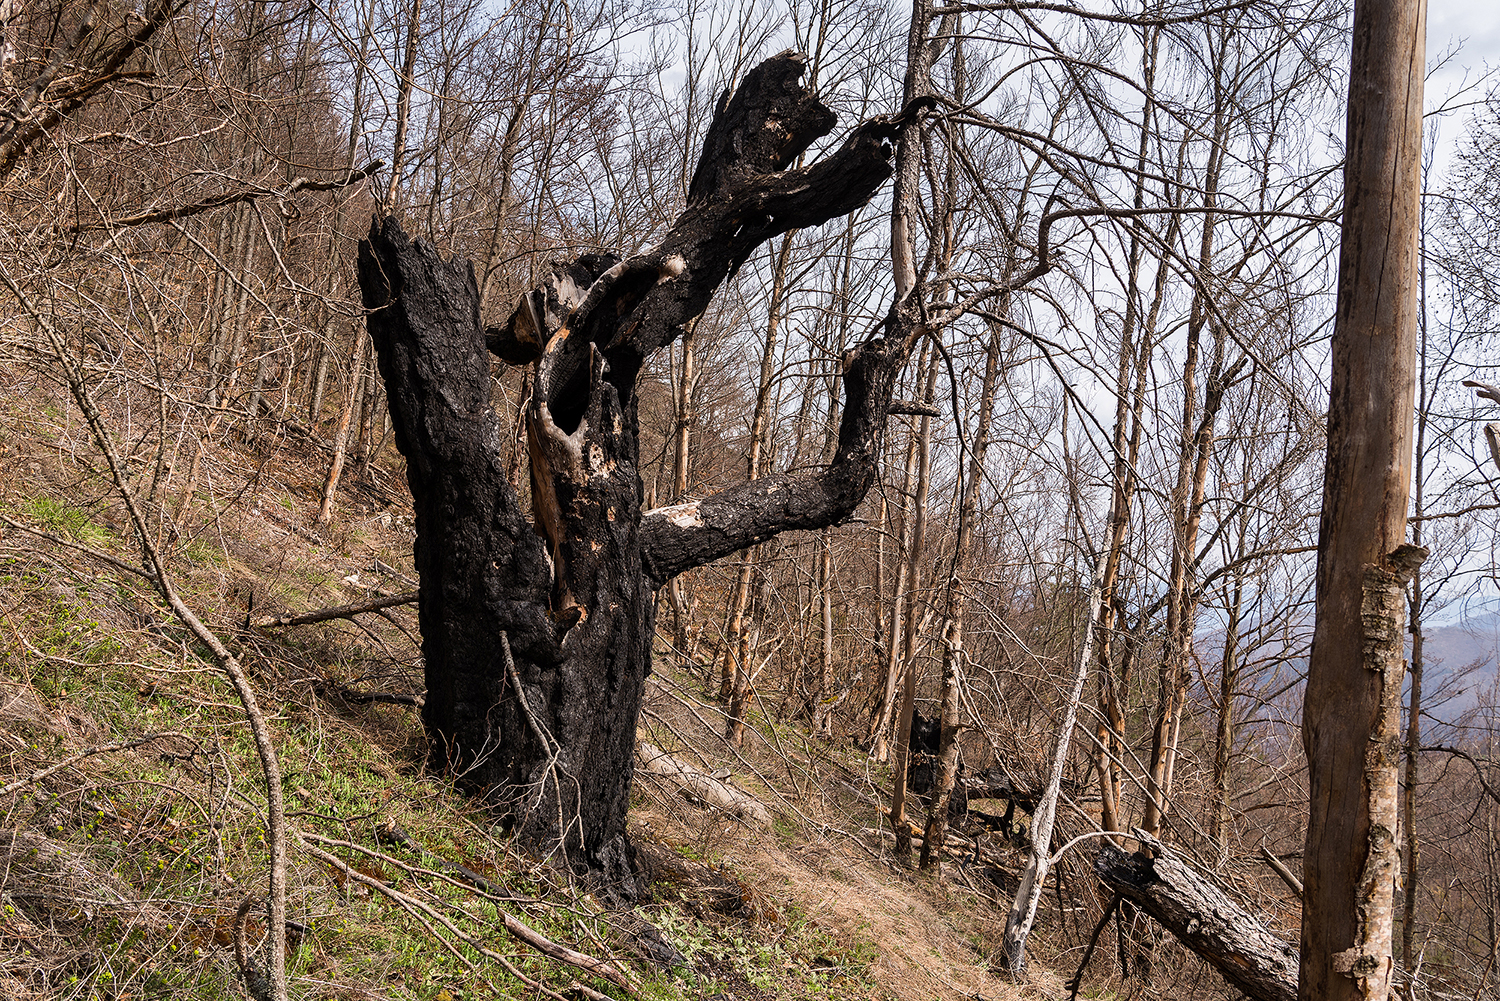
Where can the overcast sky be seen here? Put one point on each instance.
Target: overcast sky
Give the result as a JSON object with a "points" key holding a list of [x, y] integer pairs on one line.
{"points": [[1475, 23]]}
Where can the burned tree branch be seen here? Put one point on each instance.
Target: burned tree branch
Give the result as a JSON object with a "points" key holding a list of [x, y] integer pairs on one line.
{"points": [[679, 538]]}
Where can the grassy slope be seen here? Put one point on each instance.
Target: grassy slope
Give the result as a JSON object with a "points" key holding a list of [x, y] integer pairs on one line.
{"points": [[120, 874]]}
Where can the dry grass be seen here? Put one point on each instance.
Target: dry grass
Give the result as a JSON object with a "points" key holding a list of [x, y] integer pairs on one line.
{"points": [[120, 875]]}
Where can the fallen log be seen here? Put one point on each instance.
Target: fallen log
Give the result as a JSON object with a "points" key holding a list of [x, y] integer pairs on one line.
{"points": [[654, 761], [1203, 917]]}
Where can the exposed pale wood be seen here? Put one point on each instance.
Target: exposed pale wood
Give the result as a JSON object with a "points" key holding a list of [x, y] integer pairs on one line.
{"points": [[37, 774], [654, 761]]}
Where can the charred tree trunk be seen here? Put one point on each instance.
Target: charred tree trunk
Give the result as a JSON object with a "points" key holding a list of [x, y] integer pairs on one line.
{"points": [[537, 624]]}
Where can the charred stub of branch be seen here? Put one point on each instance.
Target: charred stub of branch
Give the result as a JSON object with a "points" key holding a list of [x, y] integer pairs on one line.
{"points": [[1203, 917], [761, 129], [554, 738]]}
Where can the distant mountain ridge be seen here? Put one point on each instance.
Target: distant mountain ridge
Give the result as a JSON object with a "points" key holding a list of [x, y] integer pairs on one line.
{"points": [[1460, 660]]}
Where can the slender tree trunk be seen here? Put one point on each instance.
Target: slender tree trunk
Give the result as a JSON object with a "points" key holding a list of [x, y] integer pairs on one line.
{"points": [[341, 436], [823, 700], [739, 634], [687, 377], [1351, 715], [953, 631], [371, 418], [218, 305], [909, 652], [237, 315], [1023, 908], [1223, 820], [822, 709], [1136, 343], [904, 221], [1196, 441], [1411, 840], [885, 708], [330, 315], [325, 347], [403, 107]]}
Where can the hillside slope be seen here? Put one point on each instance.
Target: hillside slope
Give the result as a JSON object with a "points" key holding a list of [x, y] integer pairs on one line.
{"points": [[135, 805]]}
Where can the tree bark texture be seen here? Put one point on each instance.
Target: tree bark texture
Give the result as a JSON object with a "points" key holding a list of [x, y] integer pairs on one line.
{"points": [[1204, 918], [537, 623], [1350, 725]]}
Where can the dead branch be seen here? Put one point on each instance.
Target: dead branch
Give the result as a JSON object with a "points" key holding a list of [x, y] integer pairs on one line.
{"points": [[518, 929], [125, 745], [73, 375], [337, 611], [53, 537], [226, 198], [369, 698], [37, 109], [1280, 868]]}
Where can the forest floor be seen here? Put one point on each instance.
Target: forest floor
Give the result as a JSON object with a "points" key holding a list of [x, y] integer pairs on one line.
{"points": [[122, 871]]}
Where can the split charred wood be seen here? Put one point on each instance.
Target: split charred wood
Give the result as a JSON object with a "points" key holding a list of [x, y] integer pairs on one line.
{"points": [[1203, 917], [549, 736]]}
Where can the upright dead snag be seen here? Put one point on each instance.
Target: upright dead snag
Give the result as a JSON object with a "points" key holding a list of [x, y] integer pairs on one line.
{"points": [[550, 736], [1354, 672]]}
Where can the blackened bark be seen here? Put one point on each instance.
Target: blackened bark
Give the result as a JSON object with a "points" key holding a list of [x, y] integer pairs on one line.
{"points": [[549, 735], [482, 568], [689, 535]]}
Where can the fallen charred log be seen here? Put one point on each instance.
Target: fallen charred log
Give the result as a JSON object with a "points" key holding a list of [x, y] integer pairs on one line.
{"points": [[1203, 917]]}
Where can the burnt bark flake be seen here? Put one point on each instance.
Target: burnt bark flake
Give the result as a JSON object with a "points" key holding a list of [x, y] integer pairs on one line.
{"points": [[544, 726]]}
